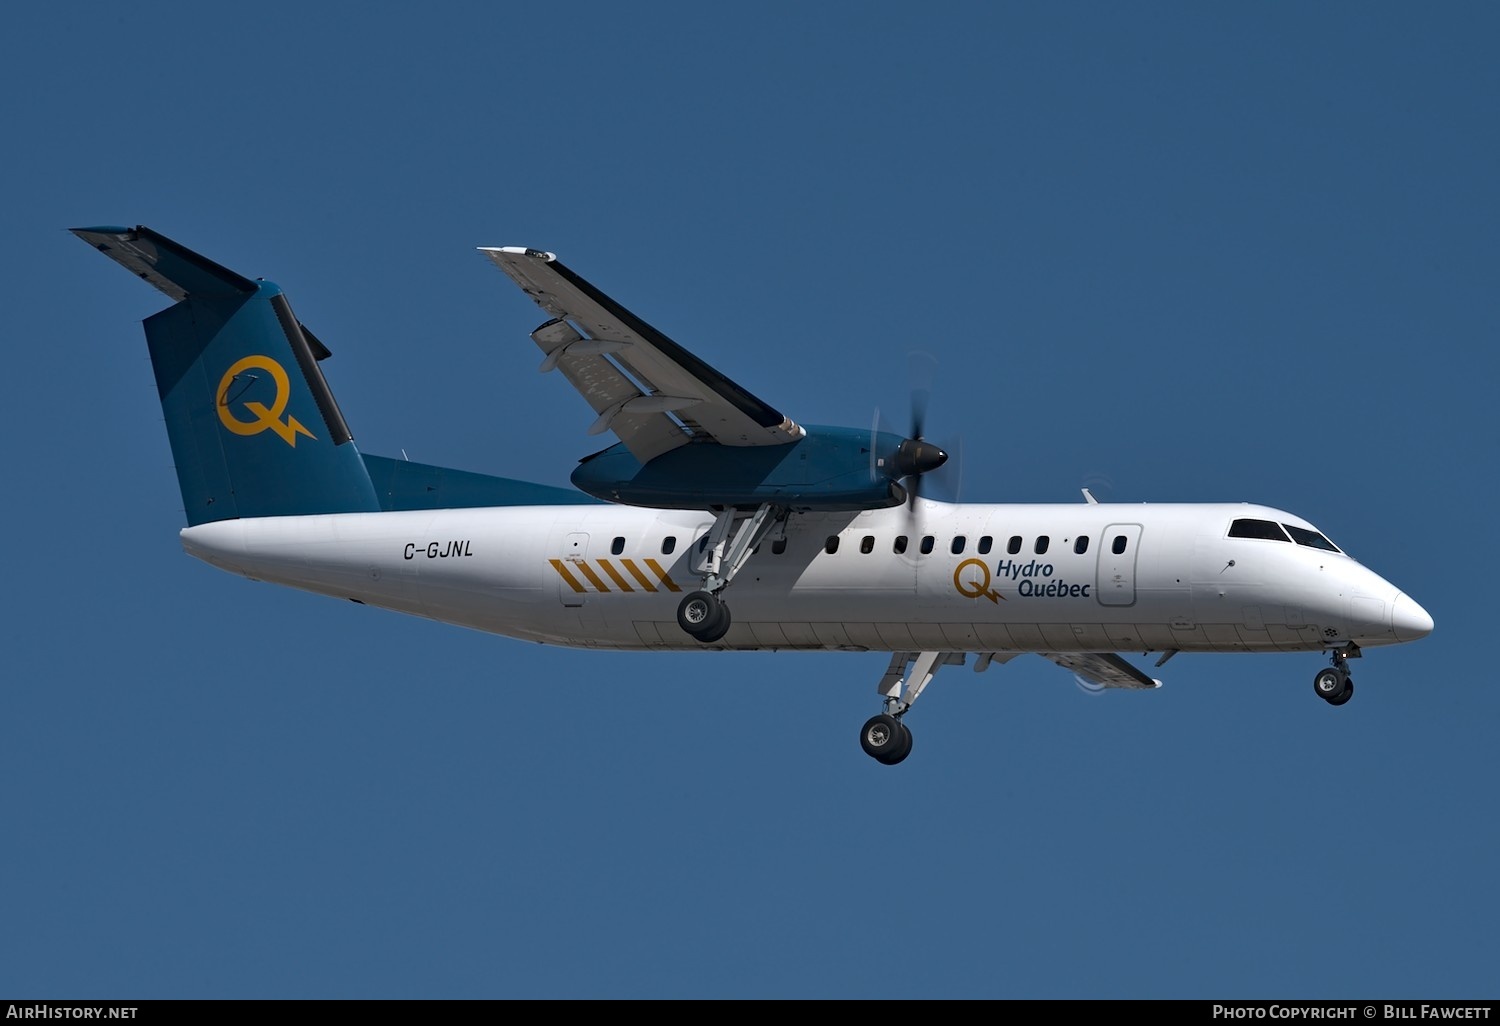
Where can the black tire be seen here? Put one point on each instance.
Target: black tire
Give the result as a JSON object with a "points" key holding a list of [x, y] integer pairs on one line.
{"points": [[1344, 695], [698, 613], [718, 629], [904, 748], [1327, 684], [885, 739]]}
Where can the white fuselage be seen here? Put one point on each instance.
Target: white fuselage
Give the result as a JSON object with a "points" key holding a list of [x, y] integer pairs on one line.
{"points": [[606, 576]]}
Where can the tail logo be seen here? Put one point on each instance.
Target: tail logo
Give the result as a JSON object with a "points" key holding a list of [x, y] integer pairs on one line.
{"points": [[234, 383]]}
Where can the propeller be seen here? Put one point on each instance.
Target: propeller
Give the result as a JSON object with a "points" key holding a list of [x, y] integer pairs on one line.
{"points": [[917, 457], [914, 457]]}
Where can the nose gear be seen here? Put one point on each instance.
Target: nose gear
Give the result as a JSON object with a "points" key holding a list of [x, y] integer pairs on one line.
{"points": [[1334, 685]]}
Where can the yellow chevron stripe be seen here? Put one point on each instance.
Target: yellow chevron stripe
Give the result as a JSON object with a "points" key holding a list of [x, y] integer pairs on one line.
{"points": [[593, 577], [557, 565], [614, 575], [662, 574], [635, 572]]}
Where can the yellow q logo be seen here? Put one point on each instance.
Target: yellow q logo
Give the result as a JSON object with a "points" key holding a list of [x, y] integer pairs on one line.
{"points": [[978, 585], [265, 418]]}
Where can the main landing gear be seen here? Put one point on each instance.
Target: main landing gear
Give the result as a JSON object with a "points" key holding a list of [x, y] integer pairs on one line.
{"points": [[1334, 685], [703, 613], [884, 737]]}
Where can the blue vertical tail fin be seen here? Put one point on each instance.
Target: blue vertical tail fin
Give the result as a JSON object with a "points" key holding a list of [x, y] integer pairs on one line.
{"points": [[254, 428]]}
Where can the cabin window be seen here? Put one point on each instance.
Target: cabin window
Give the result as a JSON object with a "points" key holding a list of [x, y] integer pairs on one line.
{"points": [[1118, 545], [984, 544], [958, 544], [1014, 545], [867, 544], [1262, 529], [1042, 541], [1312, 539], [778, 546], [1082, 544], [899, 545], [668, 544], [832, 544], [617, 546], [926, 544]]}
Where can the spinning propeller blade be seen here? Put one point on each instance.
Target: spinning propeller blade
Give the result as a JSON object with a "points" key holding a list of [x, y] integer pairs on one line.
{"points": [[917, 457]]}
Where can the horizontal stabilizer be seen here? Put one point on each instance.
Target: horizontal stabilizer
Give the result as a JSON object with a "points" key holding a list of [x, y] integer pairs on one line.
{"points": [[169, 266]]}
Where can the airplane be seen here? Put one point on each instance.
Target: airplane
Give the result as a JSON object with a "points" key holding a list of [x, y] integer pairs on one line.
{"points": [[714, 521]]}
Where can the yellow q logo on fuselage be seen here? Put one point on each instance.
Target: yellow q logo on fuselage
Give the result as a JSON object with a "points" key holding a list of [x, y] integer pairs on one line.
{"points": [[976, 586], [265, 418]]}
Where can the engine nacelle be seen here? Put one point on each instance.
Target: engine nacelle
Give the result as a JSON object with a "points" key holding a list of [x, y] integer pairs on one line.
{"points": [[830, 468]]}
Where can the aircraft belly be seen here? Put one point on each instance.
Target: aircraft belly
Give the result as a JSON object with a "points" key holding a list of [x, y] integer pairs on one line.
{"points": [[770, 635], [929, 637], [650, 634], [1157, 637], [800, 635], [864, 635], [1027, 637], [897, 637], [831, 634], [1224, 637], [1189, 637]]}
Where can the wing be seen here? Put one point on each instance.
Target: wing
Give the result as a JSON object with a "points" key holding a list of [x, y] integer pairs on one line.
{"points": [[653, 394], [1103, 668]]}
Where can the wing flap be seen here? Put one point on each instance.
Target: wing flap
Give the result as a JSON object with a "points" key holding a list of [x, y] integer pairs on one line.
{"points": [[1105, 669], [647, 433], [647, 389]]}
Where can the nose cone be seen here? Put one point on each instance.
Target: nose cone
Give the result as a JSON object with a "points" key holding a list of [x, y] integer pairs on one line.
{"points": [[1409, 621], [918, 457]]}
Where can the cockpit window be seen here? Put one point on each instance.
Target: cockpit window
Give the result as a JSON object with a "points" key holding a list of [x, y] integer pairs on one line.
{"points": [[1247, 528], [1312, 539]]}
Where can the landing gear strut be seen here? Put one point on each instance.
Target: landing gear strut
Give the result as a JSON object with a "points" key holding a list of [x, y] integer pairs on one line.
{"points": [[703, 613], [1334, 685], [884, 737]]}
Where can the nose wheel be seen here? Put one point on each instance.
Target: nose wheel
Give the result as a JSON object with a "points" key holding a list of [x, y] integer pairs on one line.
{"points": [[1334, 685]]}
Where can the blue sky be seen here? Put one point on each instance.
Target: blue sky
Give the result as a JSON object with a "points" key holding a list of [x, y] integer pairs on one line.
{"points": [[1170, 251]]}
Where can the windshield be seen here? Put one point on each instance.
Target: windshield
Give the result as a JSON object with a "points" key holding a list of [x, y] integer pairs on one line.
{"points": [[1268, 530], [1312, 539]]}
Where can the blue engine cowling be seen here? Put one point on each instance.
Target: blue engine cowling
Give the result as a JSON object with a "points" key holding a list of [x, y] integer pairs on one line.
{"points": [[829, 469]]}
